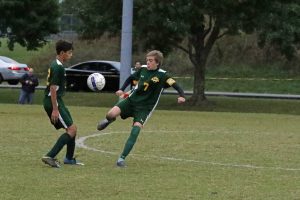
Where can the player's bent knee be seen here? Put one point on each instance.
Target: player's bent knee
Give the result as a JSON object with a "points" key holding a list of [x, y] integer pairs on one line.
{"points": [[138, 124], [72, 130], [113, 113]]}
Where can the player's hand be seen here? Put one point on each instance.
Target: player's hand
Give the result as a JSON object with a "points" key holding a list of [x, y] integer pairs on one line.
{"points": [[125, 95], [119, 93], [181, 100], [54, 116]]}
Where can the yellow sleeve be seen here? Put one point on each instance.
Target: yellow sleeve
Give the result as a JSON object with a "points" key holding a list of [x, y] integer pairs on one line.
{"points": [[170, 81]]}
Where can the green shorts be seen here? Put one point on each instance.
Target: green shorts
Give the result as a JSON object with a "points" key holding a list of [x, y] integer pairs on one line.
{"points": [[139, 113], [65, 119]]}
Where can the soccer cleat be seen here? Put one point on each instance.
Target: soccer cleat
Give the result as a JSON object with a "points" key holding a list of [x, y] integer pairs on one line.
{"points": [[51, 161], [121, 163], [103, 124], [72, 162]]}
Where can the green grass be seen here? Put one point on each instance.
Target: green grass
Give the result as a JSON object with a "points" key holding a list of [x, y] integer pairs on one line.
{"points": [[20, 53], [167, 102], [257, 85], [211, 155]]}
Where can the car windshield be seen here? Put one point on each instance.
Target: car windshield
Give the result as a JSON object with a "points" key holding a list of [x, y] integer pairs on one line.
{"points": [[117, 65], [7, 60]]}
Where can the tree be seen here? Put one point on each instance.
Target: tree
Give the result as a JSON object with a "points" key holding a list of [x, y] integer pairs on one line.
{"points": [[282, 27], [30, 21], [194, 26], [96, 17]]}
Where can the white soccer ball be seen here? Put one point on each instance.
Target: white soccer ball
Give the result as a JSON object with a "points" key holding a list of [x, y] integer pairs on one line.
{"points": [[96, 81]]}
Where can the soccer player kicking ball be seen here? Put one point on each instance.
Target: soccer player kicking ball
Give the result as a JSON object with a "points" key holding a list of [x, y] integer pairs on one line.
{"points": [[59, 115], [142, 100]]}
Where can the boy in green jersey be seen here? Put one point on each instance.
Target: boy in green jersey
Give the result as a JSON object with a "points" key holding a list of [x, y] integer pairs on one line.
{"points": [[54, 106], [143, 99]]}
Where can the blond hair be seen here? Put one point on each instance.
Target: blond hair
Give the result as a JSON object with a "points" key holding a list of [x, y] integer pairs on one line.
{"points": [[158, 56]]}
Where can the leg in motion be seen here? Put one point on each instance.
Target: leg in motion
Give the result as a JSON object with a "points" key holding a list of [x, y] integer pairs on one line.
{"points": [[49, 159], [70, 159], [110, 117], [129, 145], [104, 123]]}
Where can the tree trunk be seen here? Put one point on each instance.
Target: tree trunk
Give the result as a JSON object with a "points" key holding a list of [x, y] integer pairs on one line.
{"points": [[201, 48], [198, 96]]}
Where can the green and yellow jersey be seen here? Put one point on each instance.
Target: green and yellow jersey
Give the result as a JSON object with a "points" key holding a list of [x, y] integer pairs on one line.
{"points": [[149, 87], [56, 76]]}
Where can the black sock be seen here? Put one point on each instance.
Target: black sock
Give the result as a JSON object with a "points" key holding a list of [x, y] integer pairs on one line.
{"points": [[70, 149]]}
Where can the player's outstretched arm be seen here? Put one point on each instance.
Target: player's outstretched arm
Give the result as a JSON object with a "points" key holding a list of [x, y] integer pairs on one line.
{"points": [[120, 92], [126, 83], [181, 98]]}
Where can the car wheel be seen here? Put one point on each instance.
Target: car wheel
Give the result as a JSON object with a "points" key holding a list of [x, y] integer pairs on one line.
{"points": [[1, 79], [13, 82]]}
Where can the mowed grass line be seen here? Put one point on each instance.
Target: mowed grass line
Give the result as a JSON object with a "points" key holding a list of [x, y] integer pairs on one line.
{"points": [[266, 140]]}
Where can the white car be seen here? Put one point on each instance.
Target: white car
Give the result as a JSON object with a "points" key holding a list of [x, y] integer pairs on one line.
{"points": [[11, 71]]}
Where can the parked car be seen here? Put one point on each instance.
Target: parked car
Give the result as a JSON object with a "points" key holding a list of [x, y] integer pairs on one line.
{"points": [[11, 70], [76, 75]]}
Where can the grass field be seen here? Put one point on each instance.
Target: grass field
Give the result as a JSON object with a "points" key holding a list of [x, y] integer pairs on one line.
{"points": [[167, 102], [179, 155]]}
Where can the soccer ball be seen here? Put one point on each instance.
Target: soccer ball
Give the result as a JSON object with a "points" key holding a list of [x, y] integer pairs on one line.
{"points": [[96, 82]]}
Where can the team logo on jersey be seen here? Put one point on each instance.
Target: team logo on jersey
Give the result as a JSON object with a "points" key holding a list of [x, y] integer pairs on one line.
{"points": [[155, 79]]}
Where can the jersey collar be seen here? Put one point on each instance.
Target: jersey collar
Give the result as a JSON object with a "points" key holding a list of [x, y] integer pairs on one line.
{"points": [[58, 62]]}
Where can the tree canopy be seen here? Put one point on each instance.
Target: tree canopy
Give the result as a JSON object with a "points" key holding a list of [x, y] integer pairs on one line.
{"points": [[29, 21], [280, 27], [194, 26]]}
